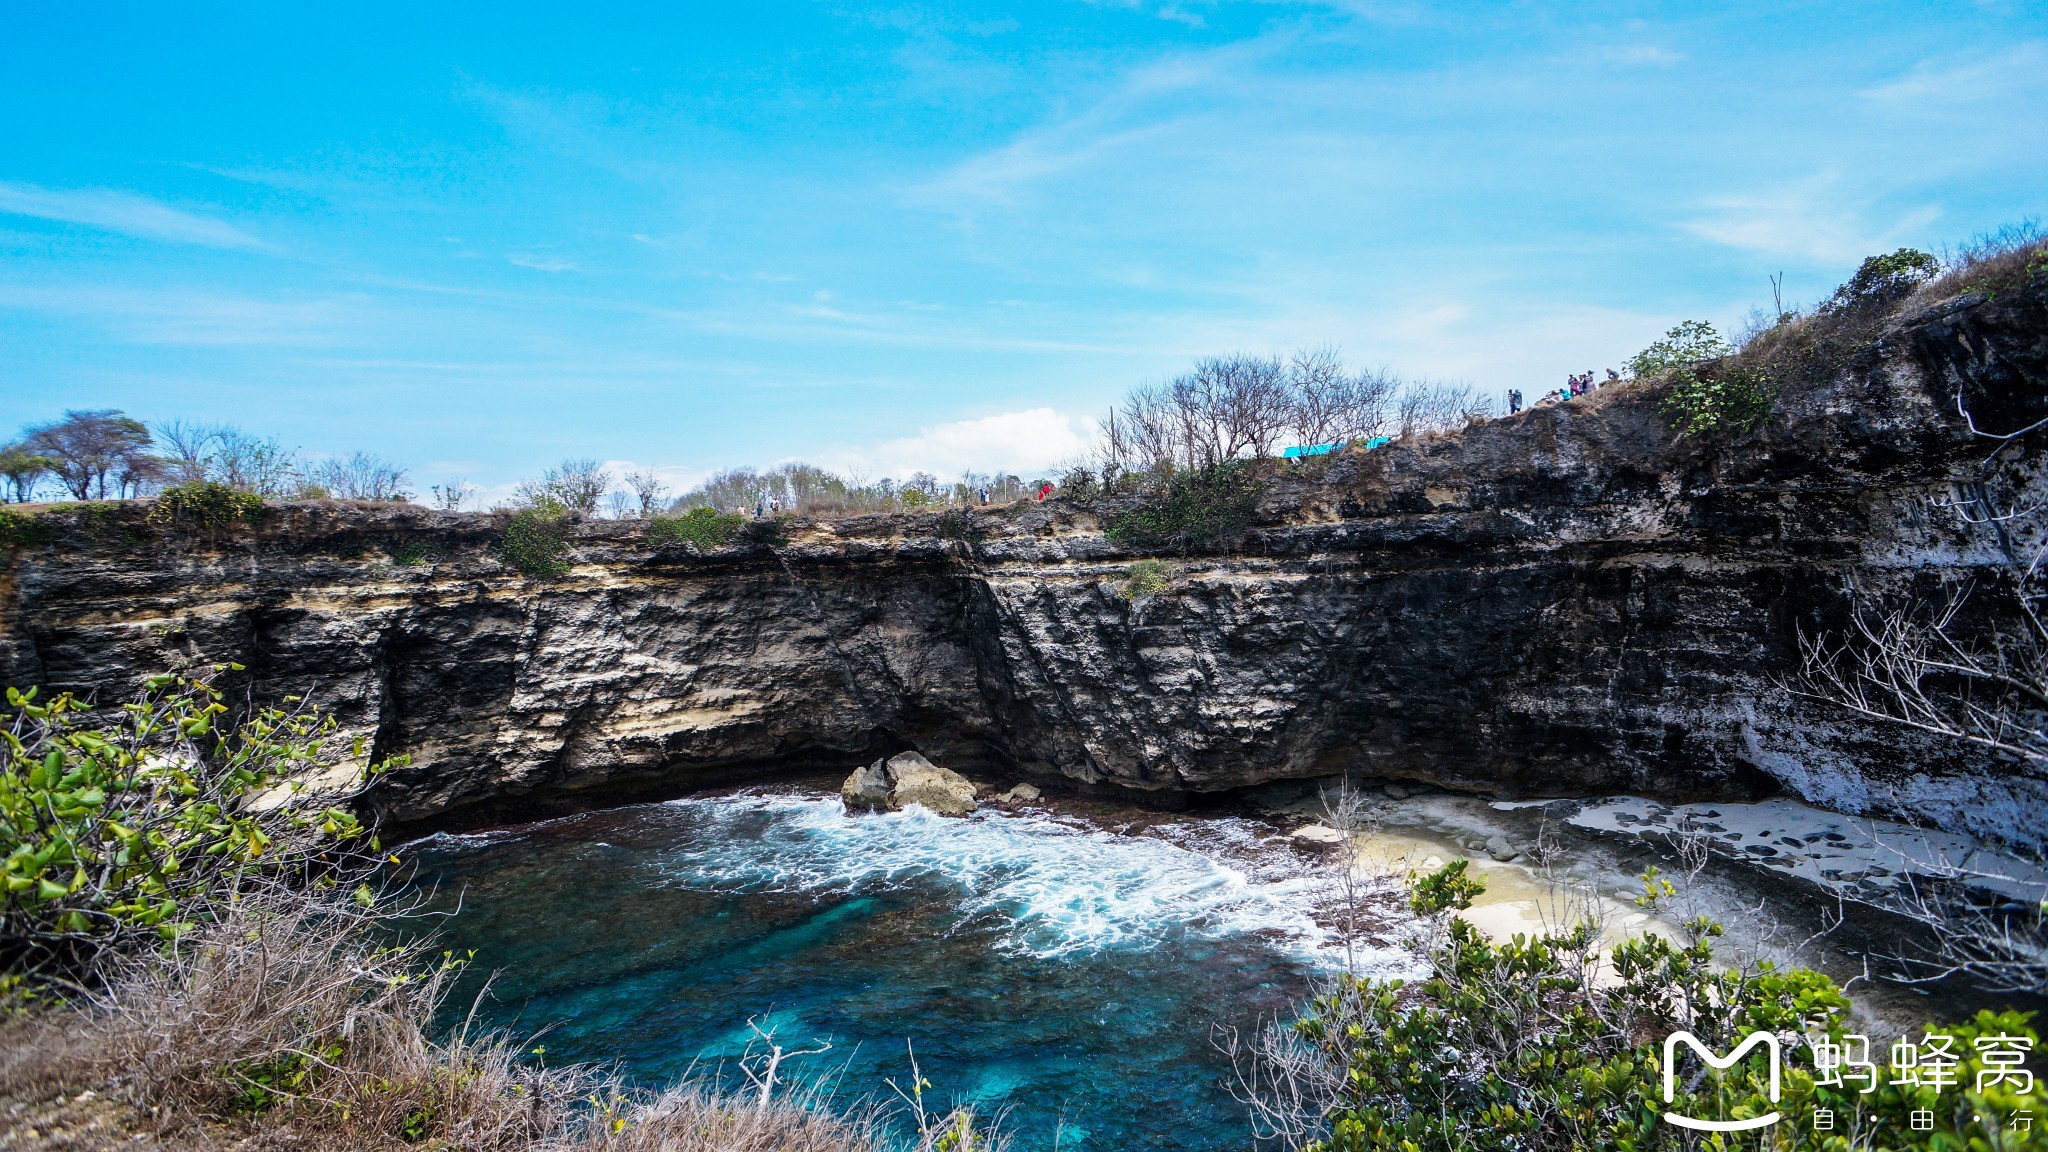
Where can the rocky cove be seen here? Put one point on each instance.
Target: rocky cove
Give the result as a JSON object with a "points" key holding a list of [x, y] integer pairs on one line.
{"points": [[1557, 648], [1568, 602]]}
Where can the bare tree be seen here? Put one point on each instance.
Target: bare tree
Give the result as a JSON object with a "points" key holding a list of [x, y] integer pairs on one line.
{"points": [[1979, 678], [647, 489], [1427, 407], [88, 447], [251, 463], [361, 476], [451, 497], [188, 444], [1334, 405], [577, 485]]}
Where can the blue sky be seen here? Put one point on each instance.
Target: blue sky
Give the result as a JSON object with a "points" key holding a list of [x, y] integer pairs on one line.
{"points": [[478, 239]]}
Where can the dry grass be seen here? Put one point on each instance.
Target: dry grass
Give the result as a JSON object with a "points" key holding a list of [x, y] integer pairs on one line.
{"points": [[297, 1026]]}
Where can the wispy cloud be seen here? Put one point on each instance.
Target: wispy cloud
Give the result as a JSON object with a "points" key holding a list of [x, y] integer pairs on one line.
{"points": [[125, 213], [193, 318], [541, 263], [1988, 78], [1811, 219]]}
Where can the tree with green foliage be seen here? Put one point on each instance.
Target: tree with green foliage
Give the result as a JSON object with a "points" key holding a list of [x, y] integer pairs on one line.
{"points": [[1880, 280], [87, 447], [22, 466], [130, 826], [1553, 1041]]}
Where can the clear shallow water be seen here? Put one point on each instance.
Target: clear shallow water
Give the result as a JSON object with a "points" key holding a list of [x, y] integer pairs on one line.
{"points": [[1066, 973]]}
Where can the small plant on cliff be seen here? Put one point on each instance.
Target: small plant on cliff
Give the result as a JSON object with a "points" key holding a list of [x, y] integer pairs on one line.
{"points": [[17, 530], [707, 528], [1144, 579], [206, 504], [1193, 507], [1553, 1041], [133, 827], [414, 553], [536, 540]]}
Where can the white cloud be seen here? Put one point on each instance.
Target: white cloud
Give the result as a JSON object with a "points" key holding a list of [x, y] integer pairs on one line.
{"points": [[122, 212], [540, 263], [1027, 443], [1809, 220]]}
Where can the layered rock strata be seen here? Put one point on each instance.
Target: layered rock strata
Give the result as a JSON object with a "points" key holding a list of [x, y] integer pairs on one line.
{"points": [[1566, 602]]}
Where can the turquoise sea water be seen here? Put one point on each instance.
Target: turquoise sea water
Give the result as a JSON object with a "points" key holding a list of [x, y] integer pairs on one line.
{"points": [[1070, 975]]}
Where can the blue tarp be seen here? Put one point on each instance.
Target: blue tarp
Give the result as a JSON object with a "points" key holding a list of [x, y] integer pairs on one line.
{"points": [[1309, 450]]}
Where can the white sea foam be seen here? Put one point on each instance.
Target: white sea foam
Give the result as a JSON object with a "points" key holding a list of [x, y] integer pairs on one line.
{"points": [[1054, 886]]}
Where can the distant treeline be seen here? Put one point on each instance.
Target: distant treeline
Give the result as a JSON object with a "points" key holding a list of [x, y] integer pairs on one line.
{"points": [[107, 455]]}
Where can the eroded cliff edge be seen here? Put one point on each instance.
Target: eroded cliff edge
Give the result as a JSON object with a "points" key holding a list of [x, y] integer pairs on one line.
{"points": [[1569, 601]]}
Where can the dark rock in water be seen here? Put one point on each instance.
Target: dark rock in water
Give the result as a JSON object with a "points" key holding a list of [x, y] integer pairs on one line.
{"points": [[1569, 601], [904, 779], [1397, 791]]}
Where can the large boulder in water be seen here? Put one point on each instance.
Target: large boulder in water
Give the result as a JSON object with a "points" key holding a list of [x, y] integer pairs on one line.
{"points": [[907, 778], [867, 790]]}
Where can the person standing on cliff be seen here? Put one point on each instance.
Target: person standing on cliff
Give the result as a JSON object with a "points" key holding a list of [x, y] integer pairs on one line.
{"points": [[1514, 401]]}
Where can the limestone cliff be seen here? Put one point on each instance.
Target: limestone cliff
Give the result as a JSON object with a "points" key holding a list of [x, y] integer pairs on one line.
{"points": [[1565, 602]]}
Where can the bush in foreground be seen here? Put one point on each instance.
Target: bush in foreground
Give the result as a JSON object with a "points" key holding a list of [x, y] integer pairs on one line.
{"points": [[1546, 1042], [120, 832], [236, 978]]}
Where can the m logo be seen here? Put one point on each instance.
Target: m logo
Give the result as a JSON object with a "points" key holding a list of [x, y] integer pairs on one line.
{"points": [[1770, 1043]]}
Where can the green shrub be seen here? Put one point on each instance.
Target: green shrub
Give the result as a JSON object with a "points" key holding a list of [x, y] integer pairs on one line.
{"points": [[1144, 578], [135, 826], [1681, 349], [17, 530], [1193, 508], [536, 540], [1080, 484], [1523, 1044], [1731, 397], [415, 552], [1705, 394], [707, 528], [1880, 280], [206, 504]]}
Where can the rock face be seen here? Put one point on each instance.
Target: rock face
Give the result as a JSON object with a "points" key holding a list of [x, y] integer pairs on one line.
{"points": [[904, 779], [1565, 602]]}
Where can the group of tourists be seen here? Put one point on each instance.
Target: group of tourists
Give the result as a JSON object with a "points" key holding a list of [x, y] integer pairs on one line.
{"points": [[1574, 387]]}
